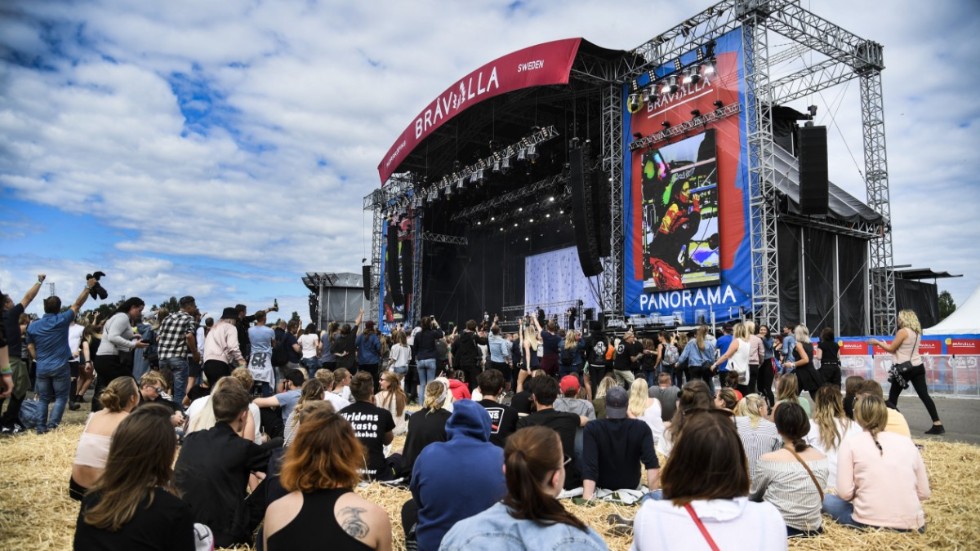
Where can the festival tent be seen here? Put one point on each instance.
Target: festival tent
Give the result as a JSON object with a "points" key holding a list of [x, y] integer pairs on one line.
{"points": [[964, 321]]}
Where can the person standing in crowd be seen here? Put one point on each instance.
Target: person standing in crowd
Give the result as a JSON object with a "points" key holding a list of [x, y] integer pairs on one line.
{"points": [[788, 349], [828, 352], [196, 369], [427, 355], [373, 426], [530, 514], [117, 339], [243, 322], [76, 366], [290, 343], [650, 361], [263, 341], [723, 344], [47, 343], [597, 349], [145, 359], [614, 447], [706, 505], [550, 342], [327, 358], [793, 478], [499, 351], [466, 353], [905, 348], [310, 344], [399, 356], [320, 471], [767, 369], [806, 374], [698, 356], [628, 353], [221, 348], [881, 478], [134, 504], [10, 421], [177, 340], [369, 351], [756, 355], [119, 399], [736, 356], [441, 497]]}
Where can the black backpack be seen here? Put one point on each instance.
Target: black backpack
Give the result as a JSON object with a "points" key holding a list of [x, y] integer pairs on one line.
{"points": [[567, 356], [279, 354]]}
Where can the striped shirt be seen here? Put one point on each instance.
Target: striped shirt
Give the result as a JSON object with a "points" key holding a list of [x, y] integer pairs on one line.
{"points": [[758, 440], [788, 486]]}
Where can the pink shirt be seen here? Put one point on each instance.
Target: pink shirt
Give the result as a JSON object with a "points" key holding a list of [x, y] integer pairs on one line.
{"points": [[222, 344], [886, 488]]}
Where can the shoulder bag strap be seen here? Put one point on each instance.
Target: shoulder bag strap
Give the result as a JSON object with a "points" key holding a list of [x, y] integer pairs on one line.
{"points": [[808, 471], [704, 531]]}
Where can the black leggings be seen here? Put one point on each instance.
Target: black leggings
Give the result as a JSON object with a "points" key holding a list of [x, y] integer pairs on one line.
{"points": [[765, 382], [919, 384]]}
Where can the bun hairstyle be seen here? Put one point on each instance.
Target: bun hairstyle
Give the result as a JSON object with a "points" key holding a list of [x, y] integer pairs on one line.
{"points": [[436, 395], [694, 395], [792, 423], [751, 406], [531, 455], [118, 394]]}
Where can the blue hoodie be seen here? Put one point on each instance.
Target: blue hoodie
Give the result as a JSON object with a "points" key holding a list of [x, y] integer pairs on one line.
{"points": [[459, 478]]}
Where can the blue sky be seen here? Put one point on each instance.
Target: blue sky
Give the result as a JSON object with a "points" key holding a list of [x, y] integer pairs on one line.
{"points": [[222, 149]]}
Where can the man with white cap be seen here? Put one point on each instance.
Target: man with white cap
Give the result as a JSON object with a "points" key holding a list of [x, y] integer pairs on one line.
{"points": [[614, 446]]}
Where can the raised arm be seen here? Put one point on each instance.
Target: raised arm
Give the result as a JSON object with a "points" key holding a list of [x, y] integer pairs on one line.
{"points": [[84, 296], [32, 292]]}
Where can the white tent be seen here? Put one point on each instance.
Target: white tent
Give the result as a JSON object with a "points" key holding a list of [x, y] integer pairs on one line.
{"points": [[964, 321]]}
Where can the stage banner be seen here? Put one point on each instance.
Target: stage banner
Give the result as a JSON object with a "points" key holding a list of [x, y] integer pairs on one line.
{"points": [[687, 255], [542, 65], [393, 313]]}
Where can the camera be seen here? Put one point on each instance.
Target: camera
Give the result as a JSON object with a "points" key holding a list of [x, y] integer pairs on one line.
{"points": [[97, 291]]}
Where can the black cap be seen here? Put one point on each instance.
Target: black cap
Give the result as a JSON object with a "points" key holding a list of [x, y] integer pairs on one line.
{"points": [[229, 314]]}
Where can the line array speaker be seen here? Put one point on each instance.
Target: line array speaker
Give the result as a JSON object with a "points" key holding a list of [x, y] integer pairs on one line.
{"points": [[583, 214], [814, 188], [366, 278], [601, 188], [393, 283]]}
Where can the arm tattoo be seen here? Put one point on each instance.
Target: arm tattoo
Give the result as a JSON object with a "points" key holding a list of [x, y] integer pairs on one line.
{"points": [[352, 523]]}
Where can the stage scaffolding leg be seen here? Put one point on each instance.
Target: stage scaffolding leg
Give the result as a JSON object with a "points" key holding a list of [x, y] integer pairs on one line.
{"points": [[414, 314], [762, 178], [378, 221], [883, 307], [612, 164]]}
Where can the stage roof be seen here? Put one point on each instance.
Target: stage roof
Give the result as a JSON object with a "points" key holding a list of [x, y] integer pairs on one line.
{"points": [[551, 84]]}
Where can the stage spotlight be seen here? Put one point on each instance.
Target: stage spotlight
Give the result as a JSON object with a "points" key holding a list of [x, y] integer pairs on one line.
{"points": [[479, 222], [637, 135], [634, 103], [670, 85], [501, 228], [708, 68], [521, 154], [548, 215], [520, 209], [718, 104], [493, 218], [505, 165], [530, 220], [515, 224], [551, 199], [473, 177], [695, 113], [665, 124], [527, 239], [532, 153], [496, 165], [646, 94], [813, 110]]}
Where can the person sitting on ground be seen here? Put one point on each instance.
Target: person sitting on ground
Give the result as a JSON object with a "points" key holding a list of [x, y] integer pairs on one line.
{"points": [[341, 384], [757, 433], [881, 478], [285, 400], [459, 387], [522, 401], [503, 419], [213, 469], [666, 393], [788, 390], [896, 421], [829, 427], [615, 446], [529, 516], [393, 398], [426, 425], [442, 498], [373, 426], [599, 402], [311, 391], [134, 505], [793, 478], [200, 414], [118, 400], [153, 390], [544, 393], [320, 471], [568, 401], [851, 386], [727, 398], [707, 504], [646, 409], [694, 395]]}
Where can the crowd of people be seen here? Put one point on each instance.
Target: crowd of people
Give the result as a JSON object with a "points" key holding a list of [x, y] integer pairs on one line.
{"points": [[233, 431]]}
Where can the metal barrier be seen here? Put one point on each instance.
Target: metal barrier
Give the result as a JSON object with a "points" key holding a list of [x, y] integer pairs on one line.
{"points": [[956, 375]]}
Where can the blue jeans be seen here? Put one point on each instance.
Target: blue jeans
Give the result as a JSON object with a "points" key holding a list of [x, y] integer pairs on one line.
{"points": [[427, 373], [651, 377], [839, 510], [311, 365], [179, 367], [53, 386]]}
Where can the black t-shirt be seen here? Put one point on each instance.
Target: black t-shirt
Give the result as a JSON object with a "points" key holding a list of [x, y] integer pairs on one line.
{"points": [[292, 356], [425, 344], [830, 352], [612, 449], [370, 424], [550, 342], [521, 401], [503, 421], [424, 427], [166, 525], [624, 352], [11, 327], [565, 424], [597, 352]]}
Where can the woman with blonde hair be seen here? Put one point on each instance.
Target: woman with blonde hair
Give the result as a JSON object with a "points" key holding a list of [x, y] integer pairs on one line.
{"points": [[530, 515], [134, 504], [641, 406], [808, 378], [757, 433], [737, 357], [881, 478], [393, 398], [788, 390], [428, 424], [118, 400], [599, 403], [905, 348], [311, 391], [320, 472], [698, 356], [829, 427]]}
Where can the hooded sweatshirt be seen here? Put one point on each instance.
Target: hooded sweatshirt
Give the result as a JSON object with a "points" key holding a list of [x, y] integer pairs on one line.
{"points": [[467, 456]]}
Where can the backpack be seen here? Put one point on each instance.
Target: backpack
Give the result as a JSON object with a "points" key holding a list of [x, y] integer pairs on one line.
{"points": [[670, 354], [567, 356]]}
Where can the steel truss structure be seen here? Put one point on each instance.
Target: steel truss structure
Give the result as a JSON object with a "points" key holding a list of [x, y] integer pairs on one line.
{"points": [[848, 56]]}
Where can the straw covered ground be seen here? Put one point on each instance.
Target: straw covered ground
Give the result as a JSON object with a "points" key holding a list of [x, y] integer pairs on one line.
{"points": [[36, 513]]}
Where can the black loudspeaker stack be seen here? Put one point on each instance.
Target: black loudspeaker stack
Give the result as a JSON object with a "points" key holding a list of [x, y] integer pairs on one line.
{"points": [[407, 263], [601, 188], [366, 278], [814, 188], [583, 213], [393, 284]]}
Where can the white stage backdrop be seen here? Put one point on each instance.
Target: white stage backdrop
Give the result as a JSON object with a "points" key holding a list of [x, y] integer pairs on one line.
{"points": [[557, 276]]}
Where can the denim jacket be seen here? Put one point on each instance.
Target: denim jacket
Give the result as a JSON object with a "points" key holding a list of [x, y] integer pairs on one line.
{"points": [[499, 349], [494, 529]]}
